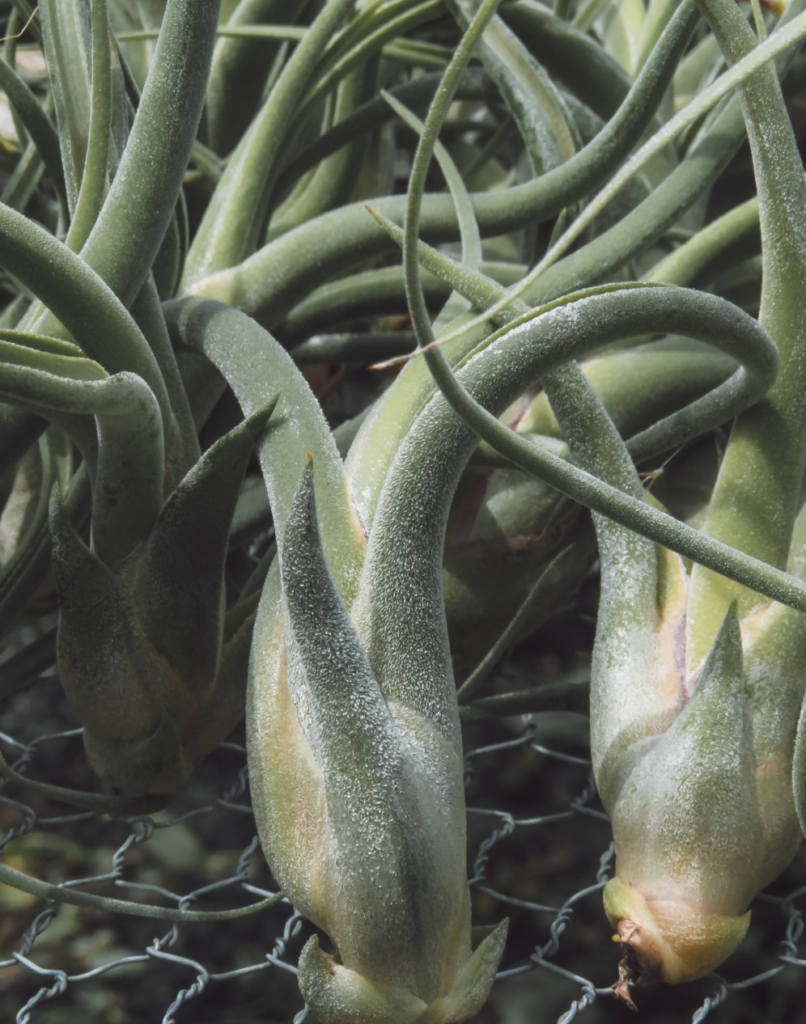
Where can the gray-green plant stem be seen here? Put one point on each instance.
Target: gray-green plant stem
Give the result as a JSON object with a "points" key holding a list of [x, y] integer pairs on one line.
{"points": [[418, 92], [368, 48], [505, 131], [756, 352], [657, 18], [65, 49], [80, 300], [93, 180], [354, 348], [596, 258], [624, 509], [128, 485], [643, 225], [370, 460], [389, 423], [235, 344], [573, 57], [713, 409], [332, 182], [379, 292], [144, 192], [756, 497], [533, 100], [240, 68], [368, 18], [482, 671], [61, 894], [567, 382], [732, 231], [149, 176], [231, 224], [13, 30], [722, 403], [181, 441]]}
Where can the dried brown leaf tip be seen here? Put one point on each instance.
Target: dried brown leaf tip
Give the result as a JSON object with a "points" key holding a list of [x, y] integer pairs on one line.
{"points": [[625, 982], [639, 962]]}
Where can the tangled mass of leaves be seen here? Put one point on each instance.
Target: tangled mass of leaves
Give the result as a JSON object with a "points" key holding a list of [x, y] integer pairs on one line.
{"points": [[402, 408]]}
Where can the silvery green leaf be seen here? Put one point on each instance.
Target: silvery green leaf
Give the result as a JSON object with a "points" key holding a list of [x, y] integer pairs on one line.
{"points": [[360, 808], [106, 672], [178, 585], [692, 846]]}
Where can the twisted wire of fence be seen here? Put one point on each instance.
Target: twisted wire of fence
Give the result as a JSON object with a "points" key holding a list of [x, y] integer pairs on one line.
{"points": [[559, 958]]}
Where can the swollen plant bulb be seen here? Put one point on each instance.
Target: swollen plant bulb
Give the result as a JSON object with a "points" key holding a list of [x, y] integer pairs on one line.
{"points": [[359, 801], [694, 766]]}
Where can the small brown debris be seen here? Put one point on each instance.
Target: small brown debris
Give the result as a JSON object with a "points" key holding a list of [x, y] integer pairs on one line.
{"points": [[639, 964], [625, 982]]}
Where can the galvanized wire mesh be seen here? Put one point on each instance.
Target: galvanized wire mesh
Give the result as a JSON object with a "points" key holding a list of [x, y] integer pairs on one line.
{"points": [[545, 870]]}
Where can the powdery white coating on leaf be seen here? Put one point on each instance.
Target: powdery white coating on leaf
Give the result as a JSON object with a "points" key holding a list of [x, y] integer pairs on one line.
{"points": [[257, 368], [397, 855], [363, 705], [538, 108], [285, 780], [702, 807], [388, 881], [399, 611], [369, 461], [774, 642], [384, 872], [671, 753], [340, 996], [636, 686], [698, 822]]}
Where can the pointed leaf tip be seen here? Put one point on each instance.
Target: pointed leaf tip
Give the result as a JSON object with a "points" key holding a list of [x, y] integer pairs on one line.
{"points": [[80, 576], [725, 657], [178, 595], [473, 984], [338, 995]]}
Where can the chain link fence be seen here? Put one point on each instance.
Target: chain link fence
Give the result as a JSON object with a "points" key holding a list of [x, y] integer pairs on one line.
{"points": [[542, 854]]}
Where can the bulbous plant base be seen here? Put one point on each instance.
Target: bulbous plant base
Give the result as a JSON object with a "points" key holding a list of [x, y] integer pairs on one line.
{"points": [[148, 772], [338, 995], [667, 940]]}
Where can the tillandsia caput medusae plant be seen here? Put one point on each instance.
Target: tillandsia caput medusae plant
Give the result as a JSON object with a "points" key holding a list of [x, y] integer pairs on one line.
{"points": [[358, 576], [697, 684], [353, 726], [721, 764], [147, 657]]}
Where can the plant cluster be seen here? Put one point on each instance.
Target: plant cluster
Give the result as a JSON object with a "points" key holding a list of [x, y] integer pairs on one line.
{"points": [[601, 211]]}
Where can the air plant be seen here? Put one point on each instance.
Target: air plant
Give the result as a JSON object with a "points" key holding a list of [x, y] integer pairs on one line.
{"points": [[146, 656], [353, 725], [134, 315], [722, 763]]}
